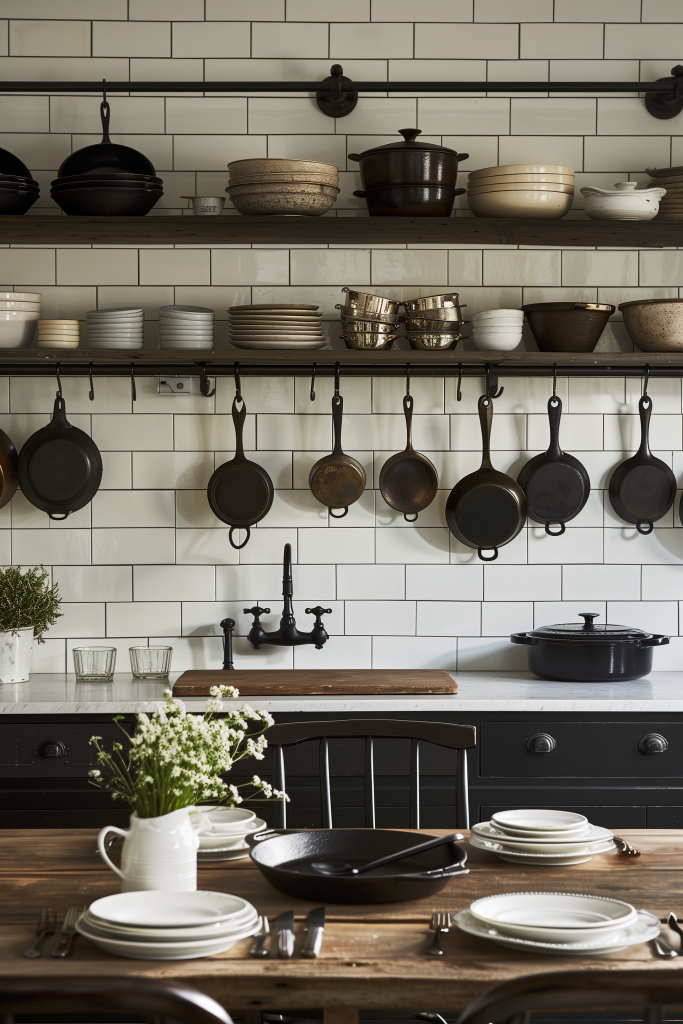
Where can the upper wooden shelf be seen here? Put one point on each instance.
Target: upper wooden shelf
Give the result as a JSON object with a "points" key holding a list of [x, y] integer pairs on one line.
{"points": [[283, 231]]}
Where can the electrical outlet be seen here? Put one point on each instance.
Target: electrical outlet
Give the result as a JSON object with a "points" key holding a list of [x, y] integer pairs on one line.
{"points": [[182, 385]]}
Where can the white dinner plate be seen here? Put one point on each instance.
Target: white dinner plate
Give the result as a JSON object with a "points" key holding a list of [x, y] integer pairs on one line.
{"points": [[590, 834], [165, 950], [538, 819], [226, 841], [209, 932], [162, 908], [115, 344], [228, 820], [645, 928], [553, 910], [562, 834], [550, 859], [318, 343]]}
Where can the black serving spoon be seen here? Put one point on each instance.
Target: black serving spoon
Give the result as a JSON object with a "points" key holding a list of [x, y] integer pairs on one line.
{"points": [[340, 867]]}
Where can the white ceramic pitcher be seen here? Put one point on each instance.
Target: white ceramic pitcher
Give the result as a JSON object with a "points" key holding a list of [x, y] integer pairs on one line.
{"points": [[158, 853]]}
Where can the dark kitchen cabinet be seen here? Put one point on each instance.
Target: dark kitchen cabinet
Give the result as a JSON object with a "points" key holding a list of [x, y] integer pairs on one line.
{"points": [[622, 770]]}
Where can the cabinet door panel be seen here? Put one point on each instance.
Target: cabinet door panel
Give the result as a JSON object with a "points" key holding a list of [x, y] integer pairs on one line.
{"points": [[25, 749]]}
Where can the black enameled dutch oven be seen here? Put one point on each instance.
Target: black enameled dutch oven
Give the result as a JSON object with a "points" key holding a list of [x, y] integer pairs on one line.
{"points": [[408, 163], [583, 652]]}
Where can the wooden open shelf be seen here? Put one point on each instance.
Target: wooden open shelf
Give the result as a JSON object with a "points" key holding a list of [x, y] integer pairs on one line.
{"points": [[283, 231]]}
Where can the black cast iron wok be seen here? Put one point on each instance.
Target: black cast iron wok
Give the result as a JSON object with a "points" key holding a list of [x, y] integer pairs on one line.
{"points": [[60, 466], [284, 856], [556, 484], [240, 492], [105, 156], [486, 509], [642, 489]]}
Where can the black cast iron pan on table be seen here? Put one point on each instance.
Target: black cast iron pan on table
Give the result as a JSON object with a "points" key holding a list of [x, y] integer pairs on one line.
{"points": [[240, 492], [408, 481], [284, 857], [486, 509], [556, 484], [642, 489]]}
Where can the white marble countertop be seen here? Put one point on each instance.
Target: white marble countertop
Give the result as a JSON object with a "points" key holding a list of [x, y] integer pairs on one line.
{"points": [[57, 694]]}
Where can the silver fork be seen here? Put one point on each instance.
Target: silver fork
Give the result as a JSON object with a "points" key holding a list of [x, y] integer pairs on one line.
{"points": [[63, 947], [440, 923], [258, 948], [47, 922], [625, 848]]}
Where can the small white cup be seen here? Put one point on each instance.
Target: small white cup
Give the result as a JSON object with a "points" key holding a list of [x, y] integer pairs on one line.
{"points": [[206, 206]]}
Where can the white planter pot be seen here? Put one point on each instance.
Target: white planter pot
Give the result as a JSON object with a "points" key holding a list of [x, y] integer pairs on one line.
{"points": [[16, 650], [158, 853]]}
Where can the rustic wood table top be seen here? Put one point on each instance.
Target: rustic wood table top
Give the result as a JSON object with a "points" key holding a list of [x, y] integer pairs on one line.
{"points": [[372, 957]]}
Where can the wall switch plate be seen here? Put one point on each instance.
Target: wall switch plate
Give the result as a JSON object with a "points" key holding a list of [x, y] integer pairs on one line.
{"points": [[170, 385]]}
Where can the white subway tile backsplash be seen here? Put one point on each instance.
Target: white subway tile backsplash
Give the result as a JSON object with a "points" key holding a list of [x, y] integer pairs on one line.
{"points": [[187, 115], [290, 40], [173, 582], [414, 652], [94, 582], [117, 545], [49, 38], [390, 618], [493, 654], [211, 39], [161, 618], [47, 547], [489, 42], [131, 39], [543, 116], [133, 508], [500, 617], [601, 582]]}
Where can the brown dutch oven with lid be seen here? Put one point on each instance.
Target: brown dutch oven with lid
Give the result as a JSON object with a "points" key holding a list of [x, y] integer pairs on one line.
{"points": [[408, 163]]}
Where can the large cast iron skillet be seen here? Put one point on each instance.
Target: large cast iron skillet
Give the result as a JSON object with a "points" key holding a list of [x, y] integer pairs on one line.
{"points": [[284, 856]]}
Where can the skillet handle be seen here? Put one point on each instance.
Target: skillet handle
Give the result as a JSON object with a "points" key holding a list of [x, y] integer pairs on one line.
{"points": [[237, 547], [105, 114], [405, 516], [337, 416], [361, 195], [346, 509], [493, 557], [645, 409], [554, 533], [408, 404], [238, 418], [645, 526], [58, 518], [485, 421]]}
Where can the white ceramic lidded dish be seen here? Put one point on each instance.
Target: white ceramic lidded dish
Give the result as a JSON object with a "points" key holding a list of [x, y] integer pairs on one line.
{"points": [[625, 202]]}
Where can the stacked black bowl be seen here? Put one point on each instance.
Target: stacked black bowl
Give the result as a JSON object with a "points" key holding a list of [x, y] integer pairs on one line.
{"points": [[18, 190], [107, 180]]}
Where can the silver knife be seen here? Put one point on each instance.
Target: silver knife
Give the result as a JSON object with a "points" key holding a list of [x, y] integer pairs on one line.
{"points": [[315, 926], [284, 926]]}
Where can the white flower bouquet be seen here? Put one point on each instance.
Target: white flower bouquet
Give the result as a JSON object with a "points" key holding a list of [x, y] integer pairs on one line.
{"points": [[175, 759]]}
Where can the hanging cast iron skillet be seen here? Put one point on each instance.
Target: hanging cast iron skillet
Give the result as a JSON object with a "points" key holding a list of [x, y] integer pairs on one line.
{"points": [[60, 467], [284, 856], [556, 485], [240, 493], [105, 156], [9, 463], [408, 481], [643, 488], [337, 480], [486, 509]]}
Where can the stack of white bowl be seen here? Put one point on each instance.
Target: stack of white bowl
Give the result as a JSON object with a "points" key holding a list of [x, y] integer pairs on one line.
{"points": [[58, 333], [161, 924], [115, 328], [563, 924], [538, 836], [223, 832], [186, 327], [497, 330], [19, 313]]}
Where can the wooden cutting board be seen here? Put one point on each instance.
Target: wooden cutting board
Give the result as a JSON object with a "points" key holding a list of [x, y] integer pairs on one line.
{"points": [[298, 683]]}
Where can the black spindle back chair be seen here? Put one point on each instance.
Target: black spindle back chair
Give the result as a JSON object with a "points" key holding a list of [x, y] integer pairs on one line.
{"points": [[444, 734]]}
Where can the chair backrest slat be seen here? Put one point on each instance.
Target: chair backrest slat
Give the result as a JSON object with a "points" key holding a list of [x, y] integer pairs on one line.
{"points": [[279, 780], [369, 773], [325, 795], [414, 816]]}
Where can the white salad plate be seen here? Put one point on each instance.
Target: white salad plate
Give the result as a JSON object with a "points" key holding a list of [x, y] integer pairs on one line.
{"points": [[589, 834], [183, 950], [229, 842], [643, 929], [559, 859], [160, 908], [115, 344], [278, 343], [539, 820], [228, 820], [215, 930], [564, 917]]}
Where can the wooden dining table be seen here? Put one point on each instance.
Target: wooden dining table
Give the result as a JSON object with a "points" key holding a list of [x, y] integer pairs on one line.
{"points": [[373, 956]]}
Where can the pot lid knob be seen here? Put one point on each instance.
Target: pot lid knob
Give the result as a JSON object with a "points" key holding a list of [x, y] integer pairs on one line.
{"points": [[588, 619], [410, 134]]}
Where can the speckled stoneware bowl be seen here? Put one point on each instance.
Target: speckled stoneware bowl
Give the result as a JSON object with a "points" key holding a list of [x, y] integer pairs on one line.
{"points": [[655, 325], [291, 199]]}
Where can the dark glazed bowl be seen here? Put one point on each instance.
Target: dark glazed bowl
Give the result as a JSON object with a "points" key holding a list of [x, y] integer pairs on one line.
{"points": [[410, 200], [135, 186], [16, 202], [107, 202], [120, 177], [567, 326], [11, 164]]}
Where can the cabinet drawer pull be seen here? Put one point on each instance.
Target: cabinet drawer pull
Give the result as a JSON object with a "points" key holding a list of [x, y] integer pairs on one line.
{"points": [[653, 743], [541, 743], [52, 748]]}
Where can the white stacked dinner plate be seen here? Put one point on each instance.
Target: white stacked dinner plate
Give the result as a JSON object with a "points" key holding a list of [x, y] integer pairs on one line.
{"points": [[120, 328], [223, 833], [538, 836], [183, 327], [272, 325], [163, 925], [563, 924]]}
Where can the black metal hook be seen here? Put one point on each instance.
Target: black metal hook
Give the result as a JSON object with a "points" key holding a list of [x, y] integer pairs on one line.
{"points": [[104, 90], [238, 383], [646, 379], [133, 388], [59, 382], [458, 393], [407, 380], [312, 395], [492, 389], [204, 382], [336, 380], [91, 393]]}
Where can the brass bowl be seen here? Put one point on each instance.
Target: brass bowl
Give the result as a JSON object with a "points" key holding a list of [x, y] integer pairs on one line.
{"points": [[432, 342], [367, 340]]}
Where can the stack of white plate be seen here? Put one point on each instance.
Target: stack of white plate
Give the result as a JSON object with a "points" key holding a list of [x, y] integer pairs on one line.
{"points": [[164, 925], [223, 832], [186, 327], [498, 330], [563, 924], [58, 333], [538, 836], [276, 325], [19, 312], [115, 328]]}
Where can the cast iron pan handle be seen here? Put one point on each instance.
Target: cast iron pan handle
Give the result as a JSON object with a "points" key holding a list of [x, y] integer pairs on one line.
{"points": [[492, 558], [554, 533], [645, 408], [645, 526], [238, 418], [463, 156], [408, 519], [58, 518], [554, 416], [244, 542], [346, 509], [105, 114], [59, 413], [523, 638], [485, 421]]}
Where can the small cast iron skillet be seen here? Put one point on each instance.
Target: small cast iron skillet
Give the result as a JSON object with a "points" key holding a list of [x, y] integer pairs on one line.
{"points": [[486, 509], [284, 856], [556, 484], [408, 480], [60, 466], [105, 156], [240, 492], [642, 489], [337, 480], [9, 464]]}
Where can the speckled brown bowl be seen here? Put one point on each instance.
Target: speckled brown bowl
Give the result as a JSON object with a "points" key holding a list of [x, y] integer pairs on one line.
{"points": [[294, 200], [655, 325]]}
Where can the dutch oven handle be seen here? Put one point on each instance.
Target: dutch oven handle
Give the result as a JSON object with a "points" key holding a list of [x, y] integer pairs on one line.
{"points": [[655, 641], [354, 156], [237, 547], [361, 195], [523, 638], [463, 156]]}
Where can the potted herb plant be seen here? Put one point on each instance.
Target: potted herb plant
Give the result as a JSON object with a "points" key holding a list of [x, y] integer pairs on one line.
{"points": [[28, 607], [173, 762]]}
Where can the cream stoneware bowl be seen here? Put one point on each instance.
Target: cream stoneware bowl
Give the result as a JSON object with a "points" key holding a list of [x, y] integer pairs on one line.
{"points": [[490, 172], [502, 179], [539, 205], [521, 186], [655, 325]]}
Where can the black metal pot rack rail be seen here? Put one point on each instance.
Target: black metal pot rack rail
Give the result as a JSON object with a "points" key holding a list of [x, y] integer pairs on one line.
{"points": [[337, 95]]}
